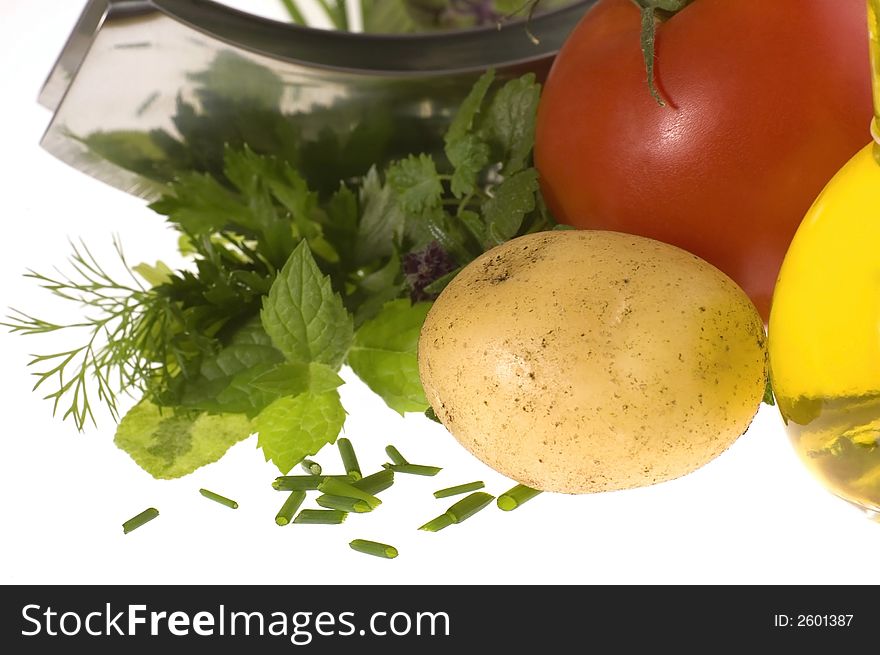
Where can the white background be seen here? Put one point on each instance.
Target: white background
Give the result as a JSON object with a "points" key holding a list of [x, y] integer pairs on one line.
{"points": [[751, 516]]}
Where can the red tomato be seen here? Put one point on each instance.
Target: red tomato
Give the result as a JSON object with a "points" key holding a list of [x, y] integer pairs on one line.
{"points": [[766, 100]]}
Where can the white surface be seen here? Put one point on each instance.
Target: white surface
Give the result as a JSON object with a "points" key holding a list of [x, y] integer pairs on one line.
{"points": [[751, 516]]}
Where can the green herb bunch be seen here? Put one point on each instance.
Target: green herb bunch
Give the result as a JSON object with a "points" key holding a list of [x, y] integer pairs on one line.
{"points": [[287, 285]]}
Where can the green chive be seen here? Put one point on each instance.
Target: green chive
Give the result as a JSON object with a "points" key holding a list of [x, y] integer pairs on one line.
{"points": [[135, 522], [373, 484], [223, 500], [339, 488], [311, 467], [395, 455], [516, 496], [288, 509], [460, 511], [459, 489], [320, 517], [414, 469], [437, 524], [349, 459], [469, 505], [302, 482], [374, 548], [343, 503]]}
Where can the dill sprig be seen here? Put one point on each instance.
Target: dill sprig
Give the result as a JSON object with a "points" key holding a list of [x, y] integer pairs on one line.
{"points": [[122, 343]]}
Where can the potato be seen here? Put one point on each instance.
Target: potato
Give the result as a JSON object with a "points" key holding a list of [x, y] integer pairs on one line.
{"points": [[584, 361]]}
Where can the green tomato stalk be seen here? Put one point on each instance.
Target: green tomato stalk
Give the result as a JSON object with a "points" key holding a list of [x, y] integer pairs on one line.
{"points": [[654, 11]]}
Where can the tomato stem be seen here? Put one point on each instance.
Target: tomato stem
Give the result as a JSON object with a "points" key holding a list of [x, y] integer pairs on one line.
{"points": [[654, 11]]}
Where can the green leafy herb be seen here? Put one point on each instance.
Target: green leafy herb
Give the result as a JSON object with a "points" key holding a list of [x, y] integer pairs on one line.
{"points": [[504, 212], [298, 261], [385, 355], [168, 442], [416, 182], [303, 316], [295, 427], [509, 124]]}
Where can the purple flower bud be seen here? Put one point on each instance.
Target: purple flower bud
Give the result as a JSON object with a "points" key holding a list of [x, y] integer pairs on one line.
{"points": [[425, 266]]}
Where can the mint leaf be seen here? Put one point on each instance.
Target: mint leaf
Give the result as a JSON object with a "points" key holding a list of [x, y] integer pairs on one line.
{"points": [[169, 443], [464, 118], [469, 156], [468, 153], [294, 427], [512, 200], [223, 380], [293, 378], [251, 332], [385, 355], [303, 316], [509, 123], [416, 182], [238, 357], [251, 389]]}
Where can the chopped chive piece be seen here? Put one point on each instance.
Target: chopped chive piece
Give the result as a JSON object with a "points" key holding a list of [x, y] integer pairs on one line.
{"points": [[459, 489], [137, 521], [374, 548], [288, 509], [431, 414], [340, 488], [320, 517], [414, 469], [343, 503], [311, 467], [373, 484], [349, 459], [437, 524], [469, 505], [395, 455], [516, 496], [460, 511], [303, 482], [223, 500]]}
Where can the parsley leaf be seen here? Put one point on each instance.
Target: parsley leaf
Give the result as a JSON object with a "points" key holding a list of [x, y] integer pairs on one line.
{"points": [[463, 122], [295, 427], [303, 316], [417, 182], [381, 222], [385, 355]]}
